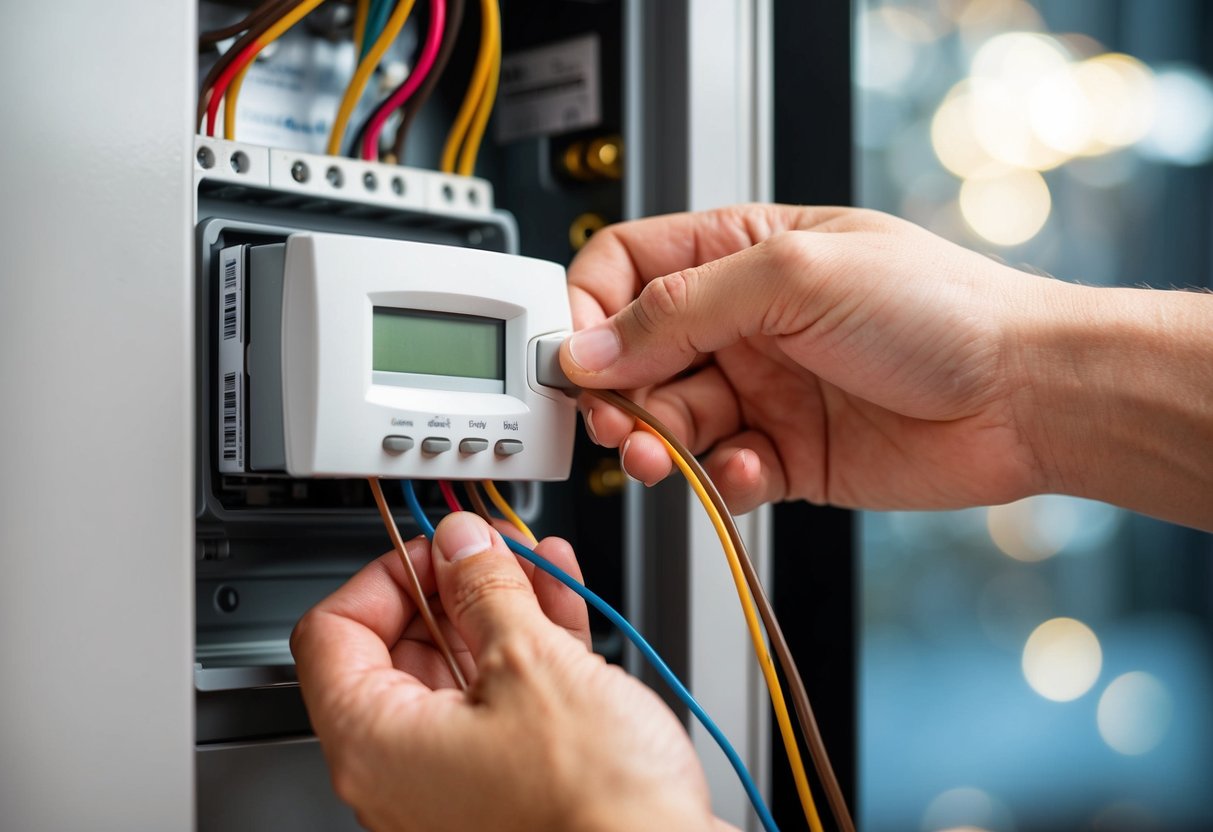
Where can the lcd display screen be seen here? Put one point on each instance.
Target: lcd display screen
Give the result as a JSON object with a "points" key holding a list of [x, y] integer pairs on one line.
{"points": [[437, 343]]}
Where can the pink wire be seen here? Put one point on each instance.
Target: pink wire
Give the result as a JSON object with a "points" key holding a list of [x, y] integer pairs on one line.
{"points": [[448, 493], [425, 62]]}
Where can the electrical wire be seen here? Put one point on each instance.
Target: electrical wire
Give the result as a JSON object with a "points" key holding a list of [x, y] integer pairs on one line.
{"points": [[255, 30], [782, 718], [247, 22], [247, 56], [454, 19], [422, 68], [377, 16], [800, 698], [507, 510], [419, 597], [663, 670], [488, 96], [448, 494], [477, 502], [490, 44], [361, 9], [366, 66]]}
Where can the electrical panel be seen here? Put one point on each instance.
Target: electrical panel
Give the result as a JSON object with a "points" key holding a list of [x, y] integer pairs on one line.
{"points": [[270, 546]]}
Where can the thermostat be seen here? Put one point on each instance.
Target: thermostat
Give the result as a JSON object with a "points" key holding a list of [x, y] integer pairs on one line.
{"points": [[344, 356]]}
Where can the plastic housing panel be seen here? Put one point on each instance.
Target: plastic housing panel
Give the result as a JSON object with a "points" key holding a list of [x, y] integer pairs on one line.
{"points": [[335, 416]]}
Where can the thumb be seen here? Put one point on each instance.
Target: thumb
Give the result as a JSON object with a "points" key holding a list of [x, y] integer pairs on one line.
{"points": [[483, 588], [677, 317]]}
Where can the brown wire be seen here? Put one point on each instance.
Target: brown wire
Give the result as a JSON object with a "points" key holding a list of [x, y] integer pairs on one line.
{"points": [[800, 696], [454, 18], [477, 501], [419, 598], [255, 16], [255, 30]]}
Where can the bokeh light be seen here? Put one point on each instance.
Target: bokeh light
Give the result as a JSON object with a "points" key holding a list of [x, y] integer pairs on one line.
{"points": [[966, 809], [1182, 130], [1062, 659], [1007, 207], [1134, 713], [1037, 528]]}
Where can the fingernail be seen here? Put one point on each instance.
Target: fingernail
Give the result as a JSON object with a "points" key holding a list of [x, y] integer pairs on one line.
{"points": [[596, 348], [589, 426], [411, 547], [461, 536], [623, 461]]}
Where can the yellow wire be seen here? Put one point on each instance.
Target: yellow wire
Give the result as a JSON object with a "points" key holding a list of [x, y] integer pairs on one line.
{"points": [[229, 103], [480, 76], [760, 647], [504, 507], [488, 96], [267, 37], [361, 9], [366, 66]]}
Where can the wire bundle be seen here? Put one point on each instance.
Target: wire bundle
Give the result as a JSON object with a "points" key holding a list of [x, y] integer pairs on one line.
{"points": [[377, 24], [630, 632], [751, 594], [754, 602]]}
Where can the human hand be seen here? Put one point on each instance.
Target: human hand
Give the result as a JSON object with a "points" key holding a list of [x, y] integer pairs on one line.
{"points": [[831, 354], [549, 736]]}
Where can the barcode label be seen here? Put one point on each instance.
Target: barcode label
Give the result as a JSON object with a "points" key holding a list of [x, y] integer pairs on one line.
{"points": [[229, 327], [231, 292], [230, 425], [229, 299]]}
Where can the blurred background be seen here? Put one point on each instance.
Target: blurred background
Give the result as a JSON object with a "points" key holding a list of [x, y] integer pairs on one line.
{"points": [[1045, 665]]}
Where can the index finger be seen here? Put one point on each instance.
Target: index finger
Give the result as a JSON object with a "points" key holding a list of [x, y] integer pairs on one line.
{"points": [[620, 259], [349, 634]]}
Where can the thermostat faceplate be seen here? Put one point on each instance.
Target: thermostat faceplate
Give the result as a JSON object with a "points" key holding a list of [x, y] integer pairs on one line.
{"points": [[415, 360]]}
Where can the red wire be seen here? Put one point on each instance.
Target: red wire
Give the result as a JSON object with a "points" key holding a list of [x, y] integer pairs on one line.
{"points": [[425, 62], [224, 81], [448, 494]]}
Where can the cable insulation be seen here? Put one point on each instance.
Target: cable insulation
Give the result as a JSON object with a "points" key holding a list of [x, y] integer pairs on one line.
{"points": [[454, 19], [419, 598], [507, 511], [361, 10], [630, 632], [488, 96], [475, 90], [800, 698], [423, 67], [353, 92], [248, 55], [448, 494], [782, 718]]}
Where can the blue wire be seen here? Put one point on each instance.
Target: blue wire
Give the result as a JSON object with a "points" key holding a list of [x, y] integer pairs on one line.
{"points": [[376, 19], [663, 670]]}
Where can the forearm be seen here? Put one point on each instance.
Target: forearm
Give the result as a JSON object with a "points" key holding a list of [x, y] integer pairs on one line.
{"points": [[1116, 395]]}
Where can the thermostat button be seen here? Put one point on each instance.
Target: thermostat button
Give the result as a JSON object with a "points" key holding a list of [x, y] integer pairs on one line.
{"points": [[397, 444], [435, 445], [473, 446], [507, 447]]}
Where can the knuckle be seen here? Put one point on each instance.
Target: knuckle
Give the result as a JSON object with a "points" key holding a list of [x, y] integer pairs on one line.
{"points": [[483, 588], [788, 251], [345, 782], [302, 631], [664, 299]]}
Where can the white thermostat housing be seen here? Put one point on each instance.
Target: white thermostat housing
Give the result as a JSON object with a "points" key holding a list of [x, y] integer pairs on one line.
{"points": [[344, 356]]}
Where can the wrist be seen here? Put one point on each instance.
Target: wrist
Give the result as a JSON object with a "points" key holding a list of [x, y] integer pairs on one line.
{"points": [[1115, 396]]}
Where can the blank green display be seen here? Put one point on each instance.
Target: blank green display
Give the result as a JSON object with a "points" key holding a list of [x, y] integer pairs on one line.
{"points": [[437, 344]]}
